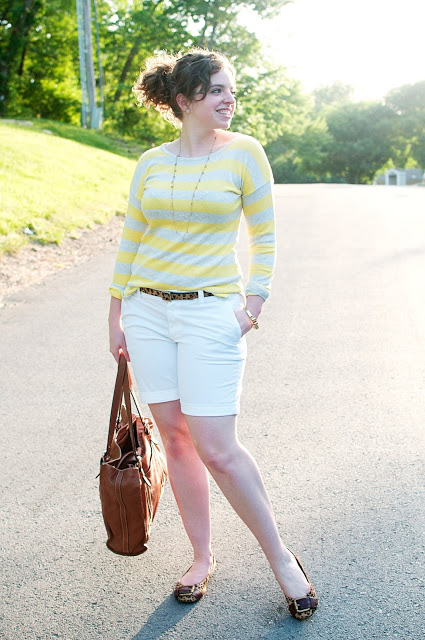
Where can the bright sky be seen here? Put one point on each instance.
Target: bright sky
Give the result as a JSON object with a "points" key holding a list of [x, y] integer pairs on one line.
{"points": [[374, 45]]}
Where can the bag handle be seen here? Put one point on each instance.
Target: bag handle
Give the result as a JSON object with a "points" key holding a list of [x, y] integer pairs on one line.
{"points": [[132, 427], [122, 386]]}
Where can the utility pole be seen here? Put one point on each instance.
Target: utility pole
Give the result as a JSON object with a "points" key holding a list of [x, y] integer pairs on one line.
{"points": [[83, 74], [99, 64], [91, 114]]}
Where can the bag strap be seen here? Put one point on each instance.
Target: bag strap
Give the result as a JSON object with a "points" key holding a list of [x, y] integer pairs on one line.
{"points": [[136, 404], [123, 388], [122, 375], [132, 427]]}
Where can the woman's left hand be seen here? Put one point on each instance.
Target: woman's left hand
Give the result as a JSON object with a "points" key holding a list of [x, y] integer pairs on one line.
{"points": [[244, 321], [254, 304]]}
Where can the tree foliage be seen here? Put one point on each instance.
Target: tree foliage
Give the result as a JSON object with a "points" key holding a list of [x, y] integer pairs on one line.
{"points": [[39, 70], [323, 136], [351, 141], [332, 95], [361, 140], [408, 106], [270, 104], [17, 18]]}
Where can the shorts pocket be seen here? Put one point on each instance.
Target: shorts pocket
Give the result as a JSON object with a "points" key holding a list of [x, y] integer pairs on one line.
{"points": [[233, 319]]}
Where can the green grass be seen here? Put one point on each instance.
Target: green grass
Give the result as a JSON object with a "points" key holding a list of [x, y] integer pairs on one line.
{"points": [[128, 148], [54, 185]]}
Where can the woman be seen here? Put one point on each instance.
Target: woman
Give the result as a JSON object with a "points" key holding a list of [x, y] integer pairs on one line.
{"points": [[178, 310]]}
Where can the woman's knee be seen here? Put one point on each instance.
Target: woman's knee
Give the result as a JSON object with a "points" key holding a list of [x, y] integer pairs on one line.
{"points": [[220, 460], [216, 441], [172, 426], [177, 443]]}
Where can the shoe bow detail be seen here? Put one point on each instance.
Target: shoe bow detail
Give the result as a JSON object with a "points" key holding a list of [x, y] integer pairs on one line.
{"points": [[190, 594], [303, 608]]}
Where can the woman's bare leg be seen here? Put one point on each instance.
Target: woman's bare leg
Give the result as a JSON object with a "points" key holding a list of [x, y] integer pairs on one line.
{"points": [[237, 475], [190, 484]]}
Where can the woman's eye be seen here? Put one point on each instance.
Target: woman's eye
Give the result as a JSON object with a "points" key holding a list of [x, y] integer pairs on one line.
{"points": [[218, 90]]}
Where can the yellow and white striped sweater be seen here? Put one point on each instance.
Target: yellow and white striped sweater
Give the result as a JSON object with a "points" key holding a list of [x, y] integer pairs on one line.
{"points": [[153, 252]]}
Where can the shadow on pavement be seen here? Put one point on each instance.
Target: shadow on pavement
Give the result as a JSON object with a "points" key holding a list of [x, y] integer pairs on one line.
{"points": [[164, 618]]}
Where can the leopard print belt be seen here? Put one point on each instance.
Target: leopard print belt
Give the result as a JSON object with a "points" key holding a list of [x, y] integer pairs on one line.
{"points": [[172, 295]]}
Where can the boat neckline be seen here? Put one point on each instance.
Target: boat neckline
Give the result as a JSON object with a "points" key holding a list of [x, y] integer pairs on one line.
{"points": [[173, 155]]}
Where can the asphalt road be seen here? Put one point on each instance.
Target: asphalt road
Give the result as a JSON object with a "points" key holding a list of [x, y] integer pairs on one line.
{"points": [[333, 409]]}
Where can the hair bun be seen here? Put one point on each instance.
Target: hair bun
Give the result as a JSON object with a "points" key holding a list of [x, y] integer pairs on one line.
{"points": [[154, 85]]}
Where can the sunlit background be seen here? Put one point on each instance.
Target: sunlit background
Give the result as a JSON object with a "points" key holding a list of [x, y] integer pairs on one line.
{"points": [[373, 45], [334, 91]]}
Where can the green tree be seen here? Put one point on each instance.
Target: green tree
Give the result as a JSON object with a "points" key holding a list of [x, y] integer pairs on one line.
{"points": [[131, 34], [216, 19], [270, 104], [17, 17], [332, 95], [311, 147], [39, 52], [40, 75], [407, 103], [360, 140], [299, 155]]}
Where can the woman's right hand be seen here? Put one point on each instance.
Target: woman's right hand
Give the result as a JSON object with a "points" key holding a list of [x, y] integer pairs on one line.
{"points": [[117, 343]]}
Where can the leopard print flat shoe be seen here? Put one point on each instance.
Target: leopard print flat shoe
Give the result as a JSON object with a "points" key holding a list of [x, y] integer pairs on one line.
{"points": [[303, 608], [189, 594]]}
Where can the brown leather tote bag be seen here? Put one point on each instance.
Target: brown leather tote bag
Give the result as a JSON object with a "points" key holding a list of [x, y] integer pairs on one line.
{"points": [[133, 473]]}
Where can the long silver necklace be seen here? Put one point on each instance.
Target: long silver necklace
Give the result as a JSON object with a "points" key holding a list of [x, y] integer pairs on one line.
{"points": [[182, 236]]}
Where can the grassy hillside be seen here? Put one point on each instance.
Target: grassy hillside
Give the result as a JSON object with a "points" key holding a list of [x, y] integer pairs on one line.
{"points": [[52, 184]]}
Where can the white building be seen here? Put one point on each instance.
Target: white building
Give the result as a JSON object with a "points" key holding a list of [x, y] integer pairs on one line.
{"points": [[402, 177]]}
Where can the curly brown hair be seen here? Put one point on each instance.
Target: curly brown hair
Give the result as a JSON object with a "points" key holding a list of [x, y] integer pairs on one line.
{"points": [[165, 76]]}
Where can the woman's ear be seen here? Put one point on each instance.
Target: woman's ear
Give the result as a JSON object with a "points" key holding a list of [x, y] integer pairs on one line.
{"points": [[183, 103]]}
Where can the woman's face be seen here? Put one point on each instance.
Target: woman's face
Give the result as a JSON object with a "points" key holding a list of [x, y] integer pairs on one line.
{"points": [[217, 108]]}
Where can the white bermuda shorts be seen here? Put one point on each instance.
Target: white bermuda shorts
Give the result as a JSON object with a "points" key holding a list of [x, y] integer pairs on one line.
{"points": [[187, 350]]}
